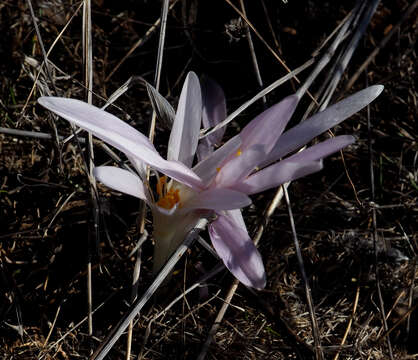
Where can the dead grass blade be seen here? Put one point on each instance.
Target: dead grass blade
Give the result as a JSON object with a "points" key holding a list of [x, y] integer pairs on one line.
{"points": [[315, 329], [232, 116], [88, 81], [374, 233]]}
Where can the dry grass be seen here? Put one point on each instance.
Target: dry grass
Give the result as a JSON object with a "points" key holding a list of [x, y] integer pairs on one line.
{"points": [[45, 202]]}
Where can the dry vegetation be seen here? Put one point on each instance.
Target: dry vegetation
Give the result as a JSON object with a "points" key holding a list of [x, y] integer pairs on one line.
{"points": [[45, 204]]}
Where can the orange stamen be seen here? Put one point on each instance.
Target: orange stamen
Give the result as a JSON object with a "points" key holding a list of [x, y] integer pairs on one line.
{"points": [[169, 200]]}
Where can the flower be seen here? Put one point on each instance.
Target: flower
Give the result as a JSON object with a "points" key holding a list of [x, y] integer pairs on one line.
{"points": [[222, 179]]}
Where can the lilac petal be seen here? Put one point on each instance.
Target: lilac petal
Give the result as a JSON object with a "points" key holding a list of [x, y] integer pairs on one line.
{"points": [[240, 167], [208, 168], [186, 127], [120, 180], [214, 111], [304, 132], [277, 174], [236, 216], [118, 134], [266, 128], [218, 199], [323, 149], [238, 252]]}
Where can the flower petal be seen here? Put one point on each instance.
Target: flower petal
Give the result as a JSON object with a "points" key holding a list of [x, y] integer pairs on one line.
{"points": [[236, 216], [214, 111], [120, 180], [277, 174], [267, 127], [238, 252], [79, 112], [208, 168], [218, 199], [240, 167], [186, 127], [304, 132], [323, 149], [118, 134]]}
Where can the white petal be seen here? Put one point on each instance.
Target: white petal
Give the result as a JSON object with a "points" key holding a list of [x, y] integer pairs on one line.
{"points": [[120, 180], [118, 134], [185, 132], [91, 118]]}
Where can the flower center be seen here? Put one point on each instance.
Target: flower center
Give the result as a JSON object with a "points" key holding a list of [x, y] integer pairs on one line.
{"points": [[167, 197]]}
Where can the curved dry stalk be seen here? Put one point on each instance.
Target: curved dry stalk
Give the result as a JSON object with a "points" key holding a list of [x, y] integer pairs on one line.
{"points": [[137, 306], [151, 133]]}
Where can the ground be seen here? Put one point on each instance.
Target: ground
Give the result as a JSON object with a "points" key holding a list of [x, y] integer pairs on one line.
{"points": [[46, 209]]}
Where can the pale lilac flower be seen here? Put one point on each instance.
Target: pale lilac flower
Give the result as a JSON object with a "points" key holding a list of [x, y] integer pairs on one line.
{"points": [[222, 180]]}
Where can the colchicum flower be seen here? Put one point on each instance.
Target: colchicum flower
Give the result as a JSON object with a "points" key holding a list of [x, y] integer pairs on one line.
{"points": [[222, 179]]}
